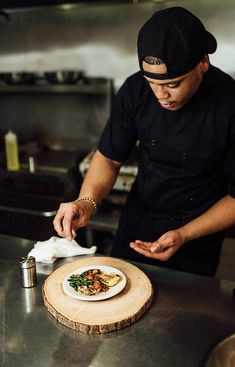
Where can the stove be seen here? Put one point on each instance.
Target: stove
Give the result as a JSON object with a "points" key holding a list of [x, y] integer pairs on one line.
{"points": [[29, 199], [54, 173]]}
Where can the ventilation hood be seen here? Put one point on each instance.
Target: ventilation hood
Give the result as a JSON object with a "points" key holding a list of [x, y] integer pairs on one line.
{"points": [[6, 4]]}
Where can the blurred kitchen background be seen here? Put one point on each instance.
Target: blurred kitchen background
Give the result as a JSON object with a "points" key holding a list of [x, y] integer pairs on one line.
{"points": [[60, 66]]}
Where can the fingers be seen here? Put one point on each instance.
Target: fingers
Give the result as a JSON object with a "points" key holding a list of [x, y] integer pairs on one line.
{"points": [[162, 249], [63, 227], [141, 247], [63, 221], [71, 216], [67, 230], [145, 249], [143, 244], [57, 222]]}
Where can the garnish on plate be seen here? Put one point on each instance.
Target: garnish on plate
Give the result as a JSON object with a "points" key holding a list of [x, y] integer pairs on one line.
{"points": [[93, 281]]}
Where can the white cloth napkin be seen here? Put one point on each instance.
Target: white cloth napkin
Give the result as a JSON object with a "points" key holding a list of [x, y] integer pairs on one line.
{"points": [[48, 251]]}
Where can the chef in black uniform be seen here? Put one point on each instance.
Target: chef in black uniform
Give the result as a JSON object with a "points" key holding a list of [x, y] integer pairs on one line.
{"points": [[180, 110]]}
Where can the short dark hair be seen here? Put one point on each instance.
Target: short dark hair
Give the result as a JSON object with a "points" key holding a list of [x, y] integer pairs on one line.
{"points": [[153, 60]]}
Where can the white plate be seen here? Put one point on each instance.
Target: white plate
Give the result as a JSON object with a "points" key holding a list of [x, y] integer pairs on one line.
{"points": [[103, 295]]}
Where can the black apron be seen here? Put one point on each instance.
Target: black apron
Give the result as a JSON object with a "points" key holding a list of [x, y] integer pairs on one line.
{"points": [[200, 256]]}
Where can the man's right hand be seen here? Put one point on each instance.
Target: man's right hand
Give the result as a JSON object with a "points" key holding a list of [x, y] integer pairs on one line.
{"points": [[75, 214], [71, 216]]}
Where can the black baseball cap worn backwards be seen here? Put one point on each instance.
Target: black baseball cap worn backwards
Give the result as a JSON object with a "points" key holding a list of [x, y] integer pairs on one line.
{"points": [[178, 38]]}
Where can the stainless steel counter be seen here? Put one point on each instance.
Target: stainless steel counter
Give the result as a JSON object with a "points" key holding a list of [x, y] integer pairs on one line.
{"points": [[189, 314]]}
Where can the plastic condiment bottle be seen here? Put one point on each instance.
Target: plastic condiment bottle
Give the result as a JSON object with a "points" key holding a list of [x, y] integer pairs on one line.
{"points": [[12, 153]]}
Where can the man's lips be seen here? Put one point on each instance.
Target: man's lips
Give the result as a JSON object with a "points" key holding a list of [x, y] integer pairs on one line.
{"points": [[166, 104]]}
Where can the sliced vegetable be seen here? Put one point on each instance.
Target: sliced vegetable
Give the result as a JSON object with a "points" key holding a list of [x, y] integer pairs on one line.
{"points": [[93, 281]]}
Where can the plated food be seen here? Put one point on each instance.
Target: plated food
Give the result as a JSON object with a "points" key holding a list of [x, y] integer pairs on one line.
{"points": [[92, 283]]}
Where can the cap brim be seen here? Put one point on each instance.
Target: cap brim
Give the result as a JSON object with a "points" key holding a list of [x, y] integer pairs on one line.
{"points": [[212, 43]]}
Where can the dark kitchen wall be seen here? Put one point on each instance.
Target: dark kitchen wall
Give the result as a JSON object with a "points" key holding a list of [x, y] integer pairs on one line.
{"points": [[99, 39], [54, 116]]}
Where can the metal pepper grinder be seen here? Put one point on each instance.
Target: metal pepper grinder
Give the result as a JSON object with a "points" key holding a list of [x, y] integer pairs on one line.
{"points": [[28, 275]]}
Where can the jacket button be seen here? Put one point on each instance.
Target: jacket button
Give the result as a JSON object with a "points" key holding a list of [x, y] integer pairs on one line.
{"points": [[184, 155], [153, 142], [191, 199]]}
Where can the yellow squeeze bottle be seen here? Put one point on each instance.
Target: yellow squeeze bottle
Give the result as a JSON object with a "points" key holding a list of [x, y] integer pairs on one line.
{"points": [[12, 153]]}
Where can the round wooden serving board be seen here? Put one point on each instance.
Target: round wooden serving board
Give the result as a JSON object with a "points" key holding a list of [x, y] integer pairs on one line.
{"points": [[104, 316]]}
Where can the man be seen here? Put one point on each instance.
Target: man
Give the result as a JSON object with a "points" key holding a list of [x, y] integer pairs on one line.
{"points": [[181, 110]]}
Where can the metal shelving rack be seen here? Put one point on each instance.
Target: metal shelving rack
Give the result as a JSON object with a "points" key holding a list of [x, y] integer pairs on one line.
{"points": [[96, 87]]}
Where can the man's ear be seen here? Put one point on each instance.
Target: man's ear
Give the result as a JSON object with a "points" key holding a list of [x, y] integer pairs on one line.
{"points": [[204, 64]]}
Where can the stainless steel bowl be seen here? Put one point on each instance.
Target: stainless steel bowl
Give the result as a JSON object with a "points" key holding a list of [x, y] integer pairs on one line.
{"points": [[17, 78], [63, 76], [223, 354]]}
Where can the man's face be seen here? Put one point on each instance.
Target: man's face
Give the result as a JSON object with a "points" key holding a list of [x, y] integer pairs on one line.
{"points": [[172, 94]]}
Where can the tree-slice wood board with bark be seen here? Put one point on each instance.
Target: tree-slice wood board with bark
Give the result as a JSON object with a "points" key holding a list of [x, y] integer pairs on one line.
{"points": [[112, 314]]}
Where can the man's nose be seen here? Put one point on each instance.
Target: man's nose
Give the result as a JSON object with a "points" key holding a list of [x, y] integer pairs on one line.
{"points": [[161, 92]]}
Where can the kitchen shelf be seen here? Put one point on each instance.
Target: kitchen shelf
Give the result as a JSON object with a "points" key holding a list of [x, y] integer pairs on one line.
{"points": [[86, 88]]}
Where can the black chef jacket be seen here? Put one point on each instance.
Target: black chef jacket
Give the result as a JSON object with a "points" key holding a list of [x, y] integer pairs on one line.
{"points": [[186, 162]]}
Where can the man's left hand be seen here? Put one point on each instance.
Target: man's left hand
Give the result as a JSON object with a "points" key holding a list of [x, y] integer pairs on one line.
{"points": [[163, 248]]}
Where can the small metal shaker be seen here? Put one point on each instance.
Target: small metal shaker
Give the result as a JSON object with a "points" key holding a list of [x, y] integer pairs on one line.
{"points": [[28, 276]]}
